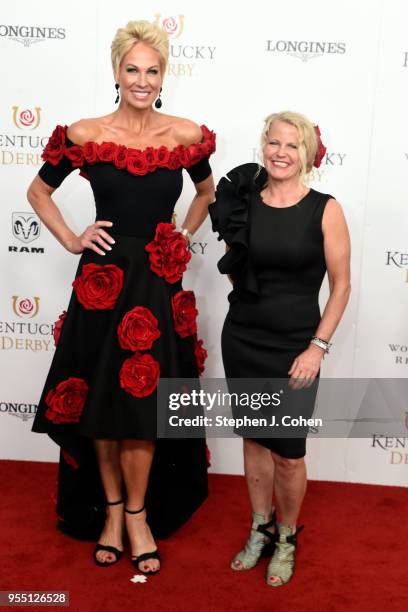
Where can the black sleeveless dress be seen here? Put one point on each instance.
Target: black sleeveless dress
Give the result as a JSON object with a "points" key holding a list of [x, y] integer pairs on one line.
{"points": [[277, 264], [129, 322]]}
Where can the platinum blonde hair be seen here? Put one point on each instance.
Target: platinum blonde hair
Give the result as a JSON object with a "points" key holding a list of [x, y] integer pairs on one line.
{"points": [[139, 31], [307, 137]]}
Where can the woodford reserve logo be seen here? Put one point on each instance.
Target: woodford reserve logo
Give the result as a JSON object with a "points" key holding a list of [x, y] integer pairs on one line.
{"points": [[24, 147], [25, 334], [305, 50], [184, 59], [28, 35]]}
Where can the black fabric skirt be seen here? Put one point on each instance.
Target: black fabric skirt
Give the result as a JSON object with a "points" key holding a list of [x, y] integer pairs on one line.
{"points": [[89, 350], [250, 352]]}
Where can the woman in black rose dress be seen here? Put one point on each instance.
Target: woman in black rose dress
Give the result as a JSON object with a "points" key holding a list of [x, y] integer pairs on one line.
{"points": [[281, 238], [129, 321]]}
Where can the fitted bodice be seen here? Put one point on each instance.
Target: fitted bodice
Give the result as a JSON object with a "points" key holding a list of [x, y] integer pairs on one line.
{"points": [[134, 204], [286, 245], [134, 189]]}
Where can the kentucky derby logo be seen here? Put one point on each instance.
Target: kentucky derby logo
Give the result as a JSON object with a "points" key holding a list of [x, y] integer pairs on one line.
{"points": [[25, 307], [26, 119], [173, 26], [26, 226]]}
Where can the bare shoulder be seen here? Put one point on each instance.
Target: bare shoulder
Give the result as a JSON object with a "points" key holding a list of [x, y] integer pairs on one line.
{"points": [[85, 130], [186, 132], [333, 216]]}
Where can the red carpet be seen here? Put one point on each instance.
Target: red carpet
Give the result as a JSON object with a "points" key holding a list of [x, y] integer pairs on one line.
{"points": [[352, 554]]}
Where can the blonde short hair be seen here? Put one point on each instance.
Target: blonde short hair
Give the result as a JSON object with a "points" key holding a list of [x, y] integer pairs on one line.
{"points": [[139, 31], [307, 137]]}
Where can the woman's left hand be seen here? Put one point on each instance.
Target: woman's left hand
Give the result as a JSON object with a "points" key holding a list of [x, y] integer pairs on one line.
{"points": [[305, 367]]}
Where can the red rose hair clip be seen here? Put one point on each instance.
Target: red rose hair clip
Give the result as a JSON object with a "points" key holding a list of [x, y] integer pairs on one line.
{"points": [[321, 149]]}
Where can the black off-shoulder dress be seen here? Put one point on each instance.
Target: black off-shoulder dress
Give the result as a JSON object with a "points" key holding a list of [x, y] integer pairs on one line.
{"points": [[276, 260], [123, 330]]}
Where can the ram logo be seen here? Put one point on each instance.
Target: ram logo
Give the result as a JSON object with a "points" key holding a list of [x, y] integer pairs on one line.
{"points": [[26, 226]]}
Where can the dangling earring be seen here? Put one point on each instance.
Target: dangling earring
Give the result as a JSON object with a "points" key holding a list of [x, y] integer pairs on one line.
{"points": [[158, 103], [117, 91]]}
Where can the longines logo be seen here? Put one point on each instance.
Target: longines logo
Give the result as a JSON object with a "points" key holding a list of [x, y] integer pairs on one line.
{"points": [[21, 411], [398, 259], [305, 50], [25, 307], [27, 35], [400, 354], [183, 58], [26, 228], [26, 120]]}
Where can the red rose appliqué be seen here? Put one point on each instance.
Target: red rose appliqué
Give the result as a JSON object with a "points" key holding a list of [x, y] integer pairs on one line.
{"points": [[66, 402], [168, 253], [98, 287], [54, 149], [184, 313], [200, 354], [58, 326], [321, 149], [138, 329], [140, 375]]}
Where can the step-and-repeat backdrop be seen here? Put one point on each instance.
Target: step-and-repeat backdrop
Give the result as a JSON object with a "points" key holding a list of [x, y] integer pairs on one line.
{"points": [[343, 64]]}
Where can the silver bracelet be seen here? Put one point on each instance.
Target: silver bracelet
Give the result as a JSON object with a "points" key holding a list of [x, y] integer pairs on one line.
{"points": [[186, 233], [321, 343]]}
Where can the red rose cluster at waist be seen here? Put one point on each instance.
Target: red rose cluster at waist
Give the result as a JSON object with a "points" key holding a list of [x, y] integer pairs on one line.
{"points": [[66, 402], [168, 253], [135, 161]]}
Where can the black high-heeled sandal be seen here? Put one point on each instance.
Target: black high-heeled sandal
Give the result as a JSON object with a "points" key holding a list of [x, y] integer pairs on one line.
{"points": [[111, 549], [136, 559]]}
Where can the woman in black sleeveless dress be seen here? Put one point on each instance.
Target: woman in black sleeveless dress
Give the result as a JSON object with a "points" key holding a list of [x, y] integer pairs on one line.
{"points": [[129, 321], [281, 237]]}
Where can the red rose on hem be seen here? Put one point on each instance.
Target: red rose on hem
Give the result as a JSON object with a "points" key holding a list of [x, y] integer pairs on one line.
{"points": [[139, 375], [98, 287], [184, 313], [66, 402], [200, 354], [58, 326], [69, 459], [138, 329]]}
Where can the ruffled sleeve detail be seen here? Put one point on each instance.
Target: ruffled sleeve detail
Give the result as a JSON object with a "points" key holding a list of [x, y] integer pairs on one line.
{"points": [[230, 218]]}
